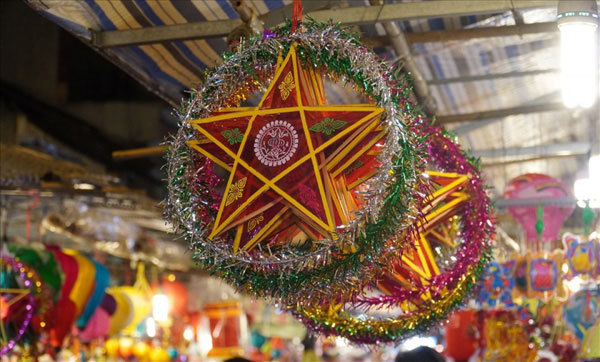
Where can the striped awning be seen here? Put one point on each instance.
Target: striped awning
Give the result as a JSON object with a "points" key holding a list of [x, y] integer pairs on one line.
{"points": [[169, 68], [166, 68]]}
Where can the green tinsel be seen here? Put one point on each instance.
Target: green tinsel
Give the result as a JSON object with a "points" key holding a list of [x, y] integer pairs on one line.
{"points": [[341, 272]]}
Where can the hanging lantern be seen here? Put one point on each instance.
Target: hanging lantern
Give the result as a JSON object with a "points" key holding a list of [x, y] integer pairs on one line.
{"points": [[97, 326], [582, 310], [225, 319], [462, 334], [177, 294], [540, 223], [581, 258]]}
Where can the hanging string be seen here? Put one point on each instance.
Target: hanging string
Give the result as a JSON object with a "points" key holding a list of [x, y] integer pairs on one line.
{"points": [[587, 216], [141, 283], [539, 223], [297, 14], [35, 200]]}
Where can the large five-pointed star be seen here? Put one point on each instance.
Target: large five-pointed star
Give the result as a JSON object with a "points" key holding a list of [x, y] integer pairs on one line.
{"points": [[286, 157], [417, 265]]}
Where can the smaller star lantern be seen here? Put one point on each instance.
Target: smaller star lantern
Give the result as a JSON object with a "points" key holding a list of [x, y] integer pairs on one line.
{"points": [[17, 303], [438, 267], [418, 264], [293, 160]]}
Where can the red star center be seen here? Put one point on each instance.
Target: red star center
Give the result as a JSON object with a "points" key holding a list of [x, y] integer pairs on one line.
{"points": [[289, 158]]}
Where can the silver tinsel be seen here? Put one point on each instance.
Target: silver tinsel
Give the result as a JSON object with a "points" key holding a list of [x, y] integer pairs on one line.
{"points": [[228, 78]]}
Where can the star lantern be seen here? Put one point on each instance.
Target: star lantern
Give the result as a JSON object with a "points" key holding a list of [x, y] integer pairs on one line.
{"points": [[455, 227], [18, 285], [294, 162], [418, 264]]}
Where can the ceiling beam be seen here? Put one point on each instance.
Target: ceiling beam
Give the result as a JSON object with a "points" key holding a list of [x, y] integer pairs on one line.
{"points": [[484, 32], [499, 113], [349, 16], [403, 51], [424, 9], [563, 201], [473, 126], [158, 34], [528, 159], [136, 153], [465, 34], [475, 78], [558, 149]]}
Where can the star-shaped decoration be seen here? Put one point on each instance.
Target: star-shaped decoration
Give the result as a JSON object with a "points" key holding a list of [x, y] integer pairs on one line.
{"points": [[293, 161], [13, 302], [9, 297], [418, 265]]}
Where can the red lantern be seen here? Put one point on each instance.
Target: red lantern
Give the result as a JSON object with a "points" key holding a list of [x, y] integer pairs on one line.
{"points": [[461, 335], [225, 328], [178, 296]]}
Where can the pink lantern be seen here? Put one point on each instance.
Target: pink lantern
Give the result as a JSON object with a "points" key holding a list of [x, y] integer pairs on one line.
{"points": [[97, 326], [537, 187]]}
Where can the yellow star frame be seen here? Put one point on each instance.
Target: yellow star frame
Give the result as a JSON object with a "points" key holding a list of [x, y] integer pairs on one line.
{"points": [[17, 295], [321, 167], [442, 206]]}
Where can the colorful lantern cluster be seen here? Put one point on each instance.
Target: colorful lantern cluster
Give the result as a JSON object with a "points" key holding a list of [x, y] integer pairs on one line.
{"points": [[540, 275], [52, 294]]}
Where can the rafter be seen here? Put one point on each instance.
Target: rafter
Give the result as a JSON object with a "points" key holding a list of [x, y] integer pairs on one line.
{"points": [[499, 113], [350, 16], [557, 149]]}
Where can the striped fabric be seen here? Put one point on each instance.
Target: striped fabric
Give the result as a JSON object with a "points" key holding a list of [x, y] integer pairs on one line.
{"points": [[168, 68]]}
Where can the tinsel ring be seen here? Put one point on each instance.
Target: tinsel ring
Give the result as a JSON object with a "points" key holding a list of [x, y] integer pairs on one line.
{"points": [[328, 267], [424, 306], [24, 294]]}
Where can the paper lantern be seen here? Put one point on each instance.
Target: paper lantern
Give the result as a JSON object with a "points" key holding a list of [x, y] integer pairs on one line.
{"points": [[582, 311], [461, 335], [61, 317], [97, 326], [540, 275], [590, 347], [112, 348], [101, 279], [497, 285], [178, 296], [533, 186], [225, 328], [141, 351], [159, 354], [125, 347], [109, 304], [84, 284], [581, 256], [123, 313], [142, 307], [544, 274]]}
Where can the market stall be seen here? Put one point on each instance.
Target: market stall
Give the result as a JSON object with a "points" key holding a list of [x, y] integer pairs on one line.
{"points": [[383, 181]]}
